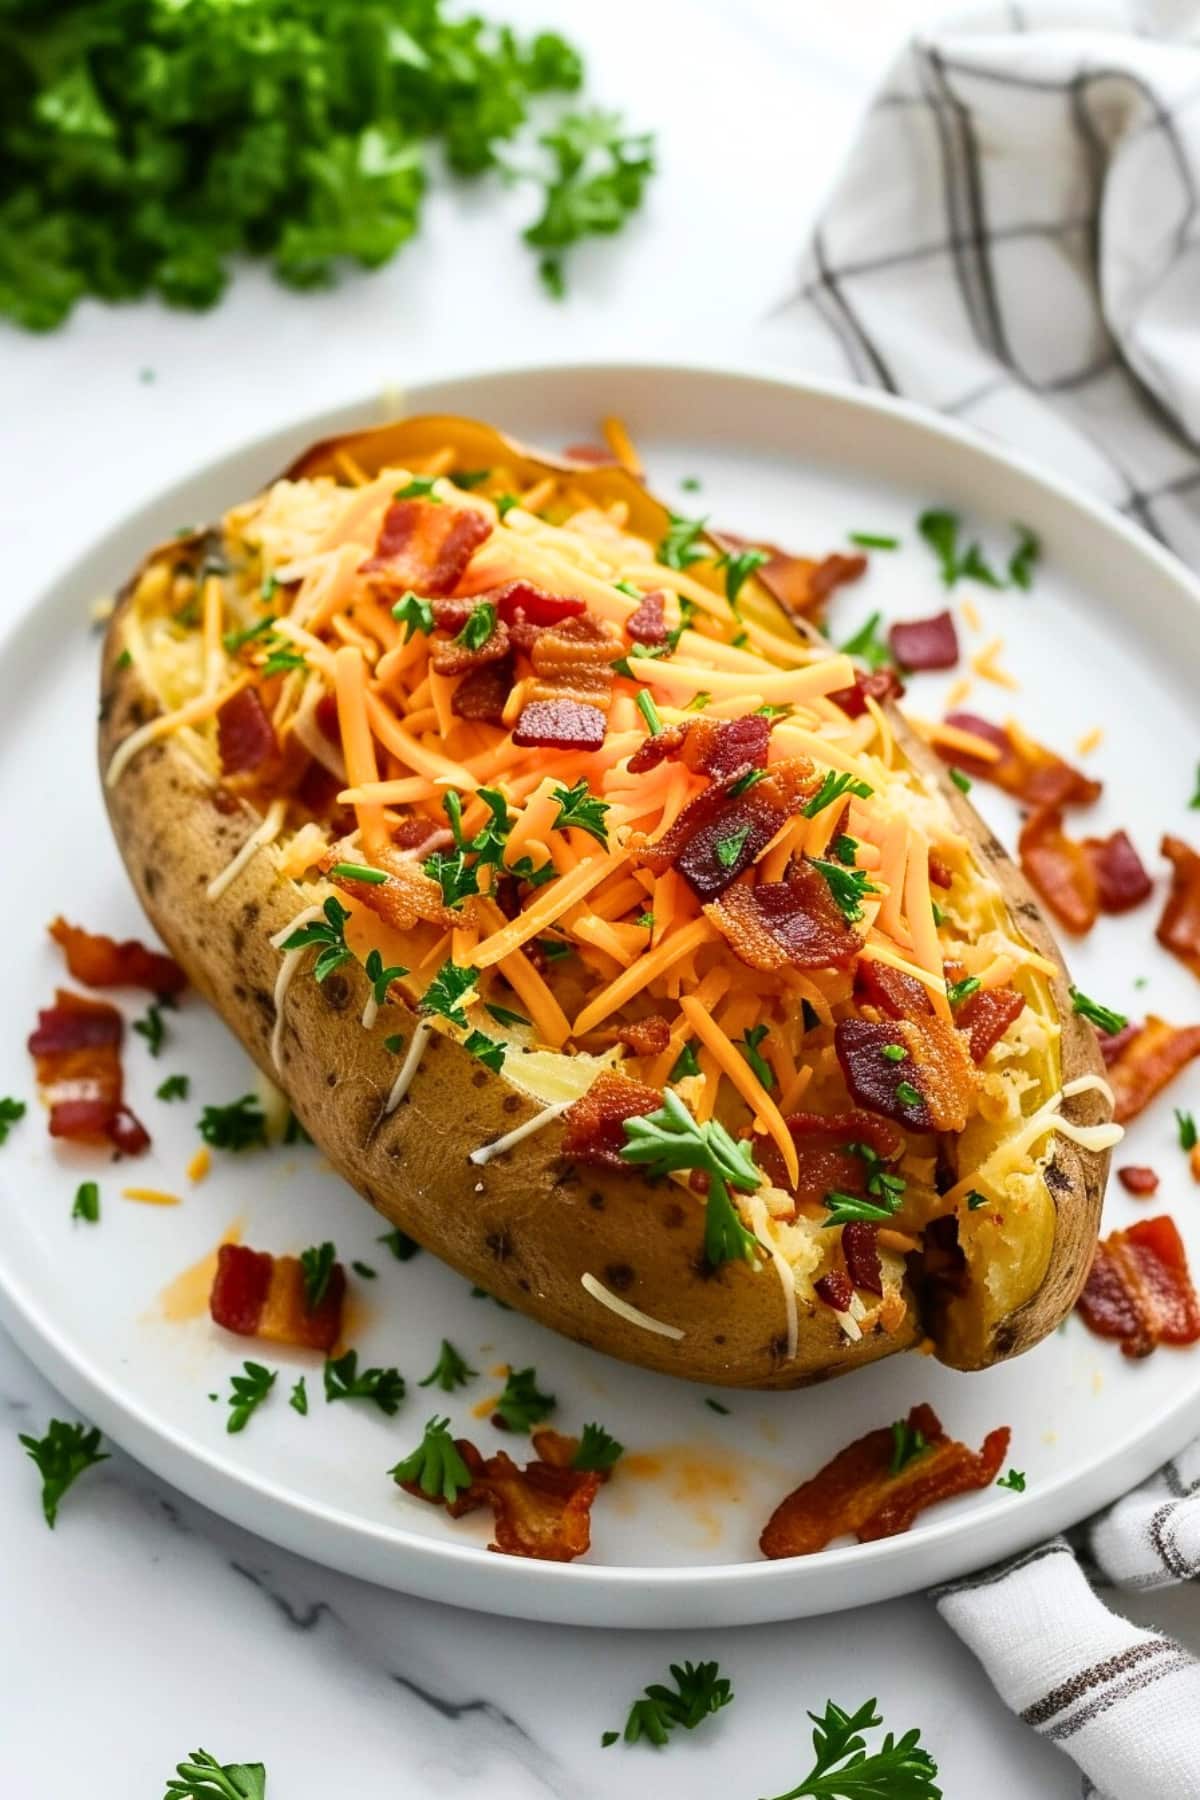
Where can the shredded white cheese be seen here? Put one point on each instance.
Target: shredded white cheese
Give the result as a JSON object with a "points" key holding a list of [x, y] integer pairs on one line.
{"points": [[485, 1152], [622, 1308], [265, 833], [408, 1067], [287, 970]]}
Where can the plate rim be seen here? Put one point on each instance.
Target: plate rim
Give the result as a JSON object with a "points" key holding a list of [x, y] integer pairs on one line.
{"points": [[396, 1556]]}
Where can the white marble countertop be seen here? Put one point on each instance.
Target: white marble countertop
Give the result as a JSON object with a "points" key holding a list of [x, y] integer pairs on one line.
{"points": [[152, 1625]]}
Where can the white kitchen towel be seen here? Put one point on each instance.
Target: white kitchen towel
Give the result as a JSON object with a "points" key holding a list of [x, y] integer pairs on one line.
{"points": [[1015, 240]]}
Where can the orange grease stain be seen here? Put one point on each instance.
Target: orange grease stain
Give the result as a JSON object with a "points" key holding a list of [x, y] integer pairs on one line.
{"points": [[696, 1479], [187, 1296], [356, 1316]]}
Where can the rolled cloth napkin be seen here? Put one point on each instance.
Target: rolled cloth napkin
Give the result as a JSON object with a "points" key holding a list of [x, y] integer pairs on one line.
{"points": [[1015, 241]]}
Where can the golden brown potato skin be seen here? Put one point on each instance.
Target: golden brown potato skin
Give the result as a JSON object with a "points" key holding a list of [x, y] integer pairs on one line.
{"points": [[528, 1225]]}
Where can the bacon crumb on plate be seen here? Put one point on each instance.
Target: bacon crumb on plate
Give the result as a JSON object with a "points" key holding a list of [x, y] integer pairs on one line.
{"points": [[101, 962], [921, 644], [77, 1054], [1142, 1059], [1139, 1290], [259, 1295], [857, 1491], [1138, 1180], [1027, 770], [542, 1511], [1179, 928]]}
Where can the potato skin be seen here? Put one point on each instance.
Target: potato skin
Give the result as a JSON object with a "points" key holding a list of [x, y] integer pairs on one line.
{"points": [[525, 1226]]}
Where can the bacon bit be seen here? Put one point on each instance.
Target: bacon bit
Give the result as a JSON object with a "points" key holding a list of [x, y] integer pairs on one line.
{"points": [[935, 1069], [645, 1037], [424, 545], [860, 1247], [800, 584], [654, 750], [925, 643], [101, 962], [246, 741], [1139, 1289], [857, 1492], [482, 695], [940, 873], [1179, 928], [77, 1052], [1121, 878], [1060, 869], [1148, 1057], [881, 685], [593, 1125], [835, 1290], [896, 994], [560, 725], [715, 817], [648, 625], [708, 747], [541, 1511], [521, 603], [1136, 1180], [573, 661], [449, 657], [986, 1017], [793, 924], [1028, 772], [827, 1164], [259, 1295], [406, 897]]}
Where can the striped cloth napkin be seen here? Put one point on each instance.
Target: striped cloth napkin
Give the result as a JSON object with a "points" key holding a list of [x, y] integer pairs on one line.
{"points": [[1015, 241]]}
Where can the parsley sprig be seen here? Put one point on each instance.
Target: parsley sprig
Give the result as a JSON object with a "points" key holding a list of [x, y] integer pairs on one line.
{"points": [[250, 1389], [844, 1769], [61, 1457], [671, 1139], [596, 176], [835, 785], [317, 1264], [436, 1465], [579, 807], [330, 934], [867, 644], [238, 1126], [202, 1777], [450, 1371], [598, 1449], [680, 548], [11, 1112], [1102, 1017], [700, 1690], [344, 1381], [522, 1405], [849, 887]]}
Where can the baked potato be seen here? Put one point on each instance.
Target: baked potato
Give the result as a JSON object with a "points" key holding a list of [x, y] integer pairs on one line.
{"points": [[577, 895]]}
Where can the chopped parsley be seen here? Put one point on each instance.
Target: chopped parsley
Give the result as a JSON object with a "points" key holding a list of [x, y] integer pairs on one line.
{"points": [[1015, 1480], [715, 1406], [11, 1112], [330, 934], [672, 1139], [899, 1770], [239, 1126], [645, 705], [402, 1247], [344, 1381], [522, 1406], [381, 978], [503, 1016], [685, 1064], [436, 1465], [691, 484], [975, 1200], [579, 807], [281, 661], [250, 1389], [175, 1087], [481, 623], [835, 786], [849, 887], [1186, 1124], [469, 479], [728, 849], [907, 1094], [87, 1202], [748, 1045], [940, 531], [233, 640], [152, 1028], [679, 549], [365, 1270], [873, 540], [958, 991], [490, 1051], [419, 488], [598, 1450], [298, 1398], [962, 782], [882, 1182], [456, 877], [202, 1777], [447, 990], [61, 1457], [394, 1043], [1102, 1017], [738, 567], [450, 1371], [745, 782], [908, 1442], [317, 1265], [1026, 554], [845, 849], [867, 644], [894, 1052], [699, 1691], [505, 504], [414, 614]]}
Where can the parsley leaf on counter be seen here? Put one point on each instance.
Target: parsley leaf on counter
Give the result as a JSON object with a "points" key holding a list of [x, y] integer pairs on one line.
{"points": [[699, 1691], [873, 540], [522, 1406], [450, 1371], [202, 1777], [900, 1769], [60, 1458], [1027, 552], [239, 1126], [250, 1389], [436, 1465], [344, 1382]]}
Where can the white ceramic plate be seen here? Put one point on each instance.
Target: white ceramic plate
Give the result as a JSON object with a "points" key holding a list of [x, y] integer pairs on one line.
{"points": [[1110, 636]]}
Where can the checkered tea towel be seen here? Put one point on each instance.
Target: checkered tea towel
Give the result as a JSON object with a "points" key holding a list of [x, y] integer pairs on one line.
{"points": [[1015, 241]]}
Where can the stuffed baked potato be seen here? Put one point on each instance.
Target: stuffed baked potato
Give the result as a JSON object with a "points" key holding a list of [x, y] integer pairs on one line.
{"points": [[579, 899]]}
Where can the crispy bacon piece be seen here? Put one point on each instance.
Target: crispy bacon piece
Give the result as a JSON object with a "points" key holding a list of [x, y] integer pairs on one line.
{"points": [[77, 1054], [449, 657], [827, 1164], [593, 1125], [860, 1247], [857, 1492], [521, 603], [793, 924], [895, 994], [1026, 770], [406, 897], [986, 1016], [1060, 869], [935, 1068], [1149, 1057], [259, 1295], [881, 685], [940, 873], [1179, 928], [482, 694], [835, 1289], [645, 1037], [648, 625], [925, 643], [246, 741], [101, 962], [801, 584], [1121, 878], [1138, 1180], [1139, 1289], [541, 1511], [719, 834], [560, 725], [573, 660], [424, 545], [709, 747]]}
